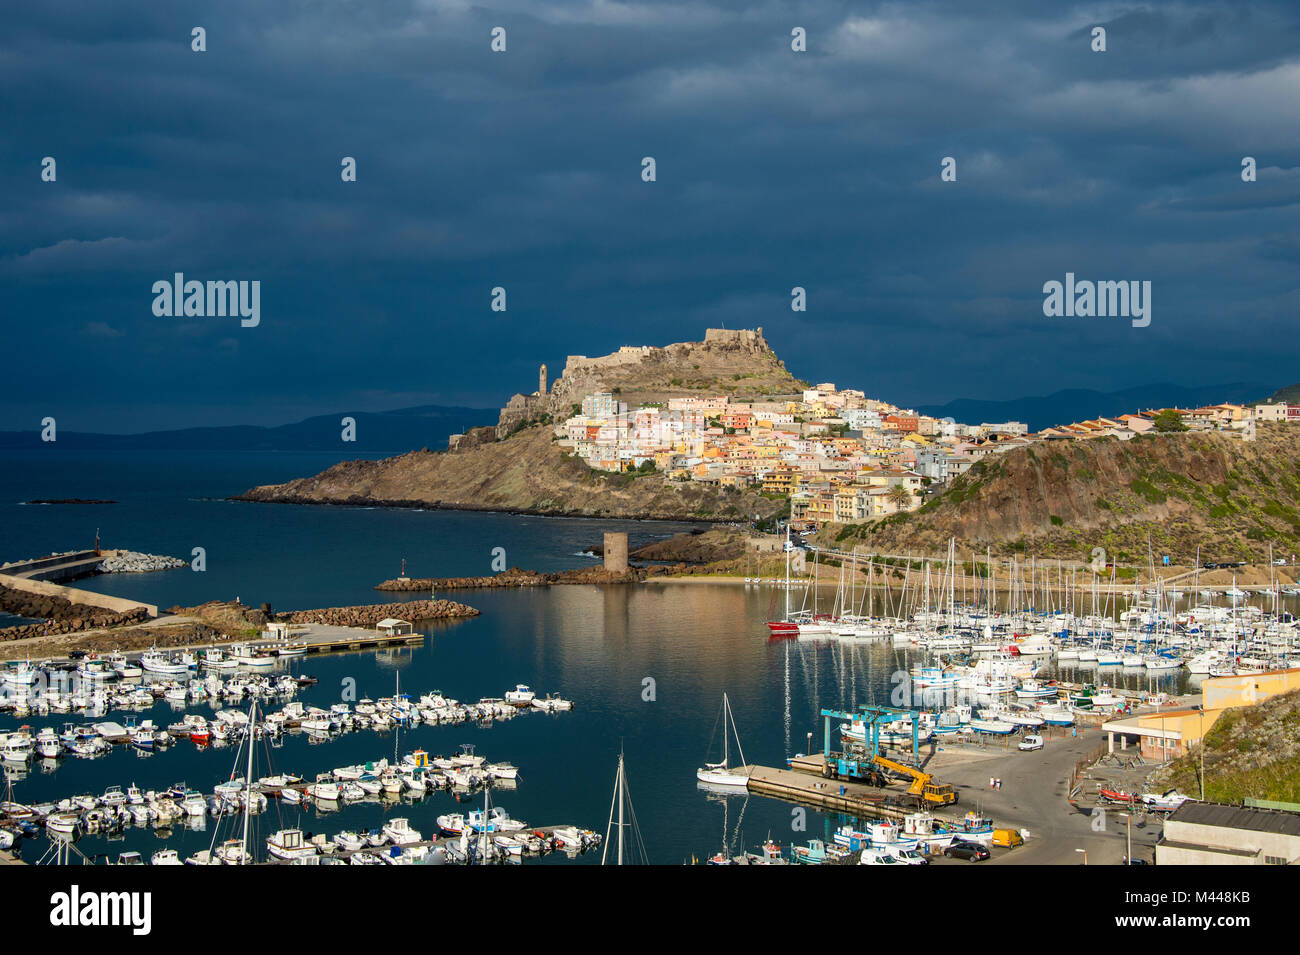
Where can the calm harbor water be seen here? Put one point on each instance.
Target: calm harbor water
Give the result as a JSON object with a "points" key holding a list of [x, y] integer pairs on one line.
{"points": [[596, 646]]}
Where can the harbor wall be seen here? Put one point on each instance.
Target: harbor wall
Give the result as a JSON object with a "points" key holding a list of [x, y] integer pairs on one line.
{"points": [[76, 596], [58, 567]]}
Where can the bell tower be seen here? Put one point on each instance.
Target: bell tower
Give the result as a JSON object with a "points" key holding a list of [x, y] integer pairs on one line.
{"points": [[541, 381]]}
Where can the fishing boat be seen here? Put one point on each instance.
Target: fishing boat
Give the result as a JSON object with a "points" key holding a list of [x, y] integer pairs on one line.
{"points": [[995, 727], [521, 695], [1056, 716], [289, 844], [1033, 690], [722, 774], [816, 852], [214, 659], [400, 833], [453, 824], [246, 656], [154, 661], [20, 675]]}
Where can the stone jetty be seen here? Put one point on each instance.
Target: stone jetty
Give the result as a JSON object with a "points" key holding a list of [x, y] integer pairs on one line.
{"points": [[514, 577], [368, 617], [57, 615]]}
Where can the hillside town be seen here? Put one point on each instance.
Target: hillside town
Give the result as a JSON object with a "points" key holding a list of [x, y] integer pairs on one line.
{"points": [[835, 454]]}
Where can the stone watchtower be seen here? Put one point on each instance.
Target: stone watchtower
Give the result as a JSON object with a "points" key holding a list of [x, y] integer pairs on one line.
{"points": [[616, 553], [541, 380]]}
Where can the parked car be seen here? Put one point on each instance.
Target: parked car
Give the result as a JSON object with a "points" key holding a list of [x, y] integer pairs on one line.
{"points": [[1031, 742], [970, 851]]}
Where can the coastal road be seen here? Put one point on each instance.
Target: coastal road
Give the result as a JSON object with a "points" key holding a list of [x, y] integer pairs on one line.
{"points": [[1034, 797]]}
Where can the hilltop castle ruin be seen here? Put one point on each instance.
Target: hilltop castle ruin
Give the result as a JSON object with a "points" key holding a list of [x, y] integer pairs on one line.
{"points": [[732, 359]]}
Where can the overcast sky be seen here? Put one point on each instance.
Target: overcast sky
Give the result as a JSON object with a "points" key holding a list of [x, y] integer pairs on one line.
{"points": [[522, 169]]}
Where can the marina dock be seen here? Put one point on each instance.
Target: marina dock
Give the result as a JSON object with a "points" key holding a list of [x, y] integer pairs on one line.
{"points": [[804, 784], [325, 638]]}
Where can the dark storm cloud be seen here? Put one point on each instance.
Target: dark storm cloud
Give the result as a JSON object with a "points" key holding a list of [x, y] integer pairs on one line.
{"points": [[522, 170]]}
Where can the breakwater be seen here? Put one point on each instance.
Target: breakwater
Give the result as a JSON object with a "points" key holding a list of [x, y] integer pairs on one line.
{"points": [[367, 617], [514, 577], [58, 614], [130, 562]]}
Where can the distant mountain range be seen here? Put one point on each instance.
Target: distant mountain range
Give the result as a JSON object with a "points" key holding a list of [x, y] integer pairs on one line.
{"points": [[401, 430], [428, 426], [1081, 404]]}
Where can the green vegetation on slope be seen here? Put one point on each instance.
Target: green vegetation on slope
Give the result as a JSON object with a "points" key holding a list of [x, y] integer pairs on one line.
{"points": [[1251, 751]]}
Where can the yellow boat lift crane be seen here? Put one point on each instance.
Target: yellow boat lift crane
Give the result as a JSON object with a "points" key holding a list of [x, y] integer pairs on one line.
{"points": [[873, 767]]}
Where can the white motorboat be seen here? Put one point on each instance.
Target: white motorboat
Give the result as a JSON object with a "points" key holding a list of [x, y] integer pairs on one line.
{"points": [[289, 844], [552, 704], [400, 833], [521, 695], [349, 841], [165, 857], [324, 791], [65, 823]]}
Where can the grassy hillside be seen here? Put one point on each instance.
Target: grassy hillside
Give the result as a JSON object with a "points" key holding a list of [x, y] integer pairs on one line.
{"points": [[1063, 499], [1251, 751], [1290, 394]]}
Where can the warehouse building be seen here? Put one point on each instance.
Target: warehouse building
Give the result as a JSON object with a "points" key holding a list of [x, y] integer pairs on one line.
{"points": [[1213, 834]]}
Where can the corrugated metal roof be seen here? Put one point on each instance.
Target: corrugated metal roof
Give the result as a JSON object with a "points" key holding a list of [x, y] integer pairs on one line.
{"points": [[1237, 817]]}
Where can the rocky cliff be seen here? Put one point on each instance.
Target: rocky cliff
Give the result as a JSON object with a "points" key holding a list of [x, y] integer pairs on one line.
{"points": [[525, 473], [517, 466]]}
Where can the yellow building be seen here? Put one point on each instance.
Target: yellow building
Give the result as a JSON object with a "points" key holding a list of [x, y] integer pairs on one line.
{"points": [[782, 480], [1168, 734]]}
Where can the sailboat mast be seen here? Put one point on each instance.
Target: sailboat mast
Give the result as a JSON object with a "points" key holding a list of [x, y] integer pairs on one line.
{"points": [[248, 785], [787, 571], [621, 798]]}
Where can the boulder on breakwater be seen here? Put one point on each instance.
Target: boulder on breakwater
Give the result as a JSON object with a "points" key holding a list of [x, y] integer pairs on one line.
{"points": [[130, 562]]}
